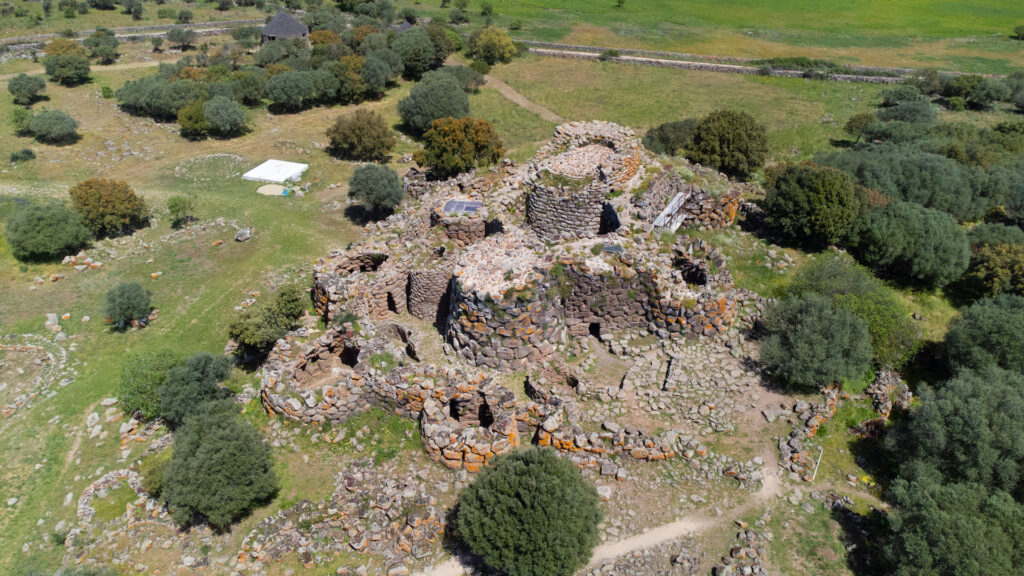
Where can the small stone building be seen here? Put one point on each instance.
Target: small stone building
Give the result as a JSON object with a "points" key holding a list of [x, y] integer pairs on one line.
{"points": [[284, 26]]}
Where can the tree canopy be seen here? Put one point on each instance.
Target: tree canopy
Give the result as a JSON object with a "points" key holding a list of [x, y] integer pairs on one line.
{"points": [[44, 232], [911, 243], [142, 375], [530, 513], [730, 141], [108, 207], [456, 145], [126, 303], [221, 468], [988, 333], [190, 384], [377, 187], [441, 97], [812, 205], [362, 135], [810, 342]]}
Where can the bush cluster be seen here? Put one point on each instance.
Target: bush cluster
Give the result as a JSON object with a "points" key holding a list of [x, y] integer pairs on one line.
{"points": [[377, 187], [109, 207], [45, 232], [456, 145], [731, 141], [362, 135], [525, 505], [259, 327]]}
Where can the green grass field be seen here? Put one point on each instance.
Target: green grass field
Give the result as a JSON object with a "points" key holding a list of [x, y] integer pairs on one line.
{"points": [[11, 26], [916, 33]]}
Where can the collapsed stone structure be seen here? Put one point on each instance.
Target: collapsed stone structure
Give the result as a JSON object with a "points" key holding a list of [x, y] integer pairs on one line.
{"points": [[508, 265]]}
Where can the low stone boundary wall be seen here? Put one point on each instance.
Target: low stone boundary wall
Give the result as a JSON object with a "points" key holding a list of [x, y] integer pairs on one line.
{"points": [[699, 57], [711, 66], [133, 30]]}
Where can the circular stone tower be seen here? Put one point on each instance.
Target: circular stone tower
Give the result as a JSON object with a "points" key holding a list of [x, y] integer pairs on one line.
{"points": [[501, 314]]}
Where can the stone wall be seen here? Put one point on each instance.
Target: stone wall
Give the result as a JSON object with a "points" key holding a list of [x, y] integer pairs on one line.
{"points": [[366, 284], [509, 332], [463, 229], [556, 213], [616, 299], [429, 295], [465, 418]]}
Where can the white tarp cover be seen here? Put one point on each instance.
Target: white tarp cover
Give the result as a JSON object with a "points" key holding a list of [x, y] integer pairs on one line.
{"points": [[277, 171]]}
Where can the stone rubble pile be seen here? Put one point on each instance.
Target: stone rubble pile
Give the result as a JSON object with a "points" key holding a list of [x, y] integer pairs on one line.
{"points": [[795, 454]]}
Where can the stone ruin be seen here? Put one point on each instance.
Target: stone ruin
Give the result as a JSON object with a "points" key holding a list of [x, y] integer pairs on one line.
{"points": [[508, 265]]}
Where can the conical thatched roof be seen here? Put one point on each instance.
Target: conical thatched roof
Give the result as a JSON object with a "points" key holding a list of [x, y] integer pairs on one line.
{"points": [[284, 25]]}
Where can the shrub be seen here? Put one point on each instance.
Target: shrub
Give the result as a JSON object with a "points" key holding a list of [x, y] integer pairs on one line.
{"points": [[956, 104], [22, 155], [250, 88], [894, 335], [224, 116], [811, 205], [181, 37], [44, 232], [530, 513], [456, 145], [25, 88], [126, 303], [221, 469], [408, 14], [480, 67], [444, 45], [900, 94], [670, 137], [102, 44], [966, 430], [190, 384], [1018, 32], [988, 91], [108, 207], [192, 121], [490, 44], [259, 327], [142, 375], [391, 58], [362, 135], [730, 141], [858, 123], [184, 17], [428, 101], [921, 112], [153, 469], [20, 119], [53, 127], [996, 269], [375, 75], [69, 70], [65, 47], [291, 90], [469, 79], [988, 334], [417, 51], [928, 179], [377, 187], [913, 243], [954, 528], [991, 233], [810, 342], [458, 16], [959, 86], [182, 209]]}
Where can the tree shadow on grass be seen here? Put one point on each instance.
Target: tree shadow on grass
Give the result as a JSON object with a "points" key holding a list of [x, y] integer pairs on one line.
{"points": [[473, 564], [864, 536], [360, 216]]}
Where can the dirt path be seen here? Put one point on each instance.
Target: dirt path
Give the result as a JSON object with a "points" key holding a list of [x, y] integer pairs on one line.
{"points": [[123, 66], [516, 98], [771, 487]]}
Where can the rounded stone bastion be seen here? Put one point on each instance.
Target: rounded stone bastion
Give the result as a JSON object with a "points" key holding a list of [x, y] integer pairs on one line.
{"points": [[465, 418], [559, 207], [501, 313]]}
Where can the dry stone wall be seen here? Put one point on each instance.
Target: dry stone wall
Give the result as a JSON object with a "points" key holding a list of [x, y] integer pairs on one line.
{"points": [[507, 333], [556, 213]]}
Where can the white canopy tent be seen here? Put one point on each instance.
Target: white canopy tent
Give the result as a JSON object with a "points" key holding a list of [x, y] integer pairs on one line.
{"points": [[277, 171]]}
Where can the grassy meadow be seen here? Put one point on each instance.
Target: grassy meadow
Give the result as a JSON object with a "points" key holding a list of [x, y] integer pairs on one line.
{"points": [[11, 26], [973, 36]]}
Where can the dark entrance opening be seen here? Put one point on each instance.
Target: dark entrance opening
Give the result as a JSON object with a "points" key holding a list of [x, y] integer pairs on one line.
{"points": [[609, 219], [595, 330], [349, 356], [484, 415], [392, 307]]}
